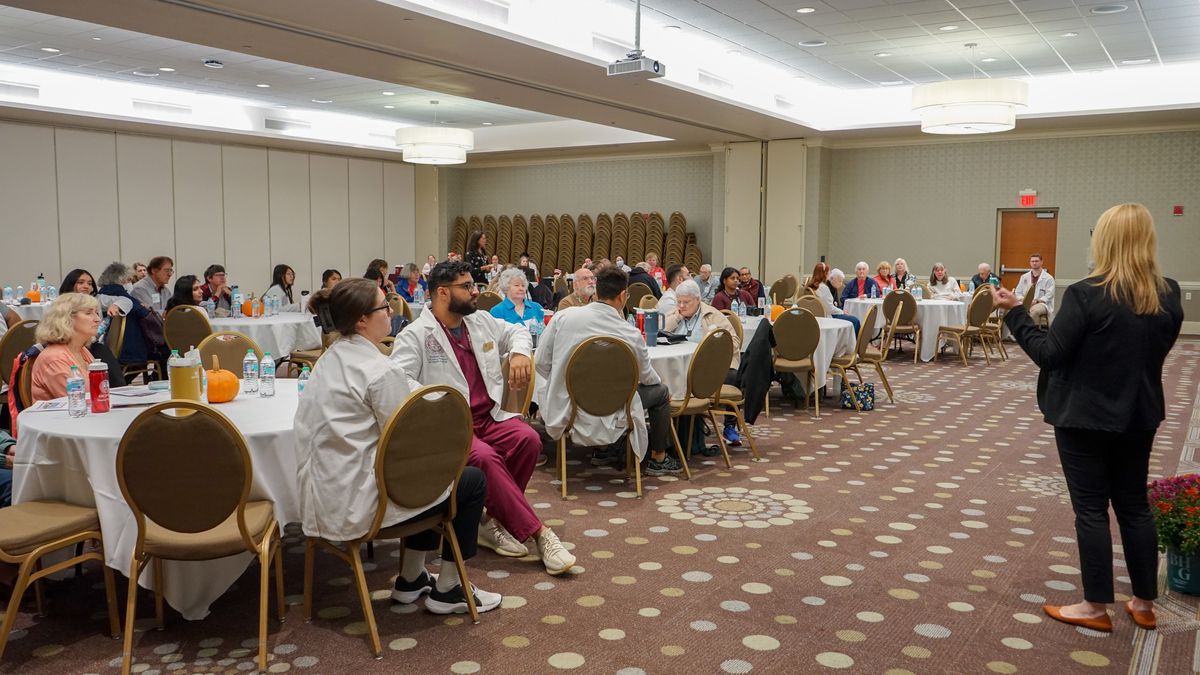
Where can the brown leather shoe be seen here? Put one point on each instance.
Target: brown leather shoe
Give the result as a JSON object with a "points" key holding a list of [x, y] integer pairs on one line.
{"points": [[1101, 623], [1147, 620]]}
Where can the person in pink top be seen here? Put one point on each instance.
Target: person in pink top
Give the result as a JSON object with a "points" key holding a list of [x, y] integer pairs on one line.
{"points": [[68, 327]]}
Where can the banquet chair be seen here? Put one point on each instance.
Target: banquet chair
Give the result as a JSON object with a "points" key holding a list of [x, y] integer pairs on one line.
{"points": [[793, 285], [517, 400], [487, 300], [779, 292], [736, 322], [850, 361], [17, 339], [813, 304], [400, 306], [386, 344], [992, 328], [308, 357], [25, 381], [35, 529], [972, 330], [637, 290], [602, 379], [876, 357], [185, 327], [905, 322], [706, 375], [423, 448], [797, 335], [926, 291], [116, 343], [1027, 303], [231, 347], [804, 292], [648, 301], [560, 286], [186, 477]]}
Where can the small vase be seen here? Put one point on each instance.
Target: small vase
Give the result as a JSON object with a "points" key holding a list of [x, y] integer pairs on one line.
{"points": [[1183, 571]]}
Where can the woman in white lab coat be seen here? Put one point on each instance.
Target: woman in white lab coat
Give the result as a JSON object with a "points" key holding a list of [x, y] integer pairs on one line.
{"points": [[352, 392], [282, 279]]}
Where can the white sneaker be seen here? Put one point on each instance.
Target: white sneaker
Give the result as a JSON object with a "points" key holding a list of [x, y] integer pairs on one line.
{"points": [[555, 556], [493, 535], [454, 601]]}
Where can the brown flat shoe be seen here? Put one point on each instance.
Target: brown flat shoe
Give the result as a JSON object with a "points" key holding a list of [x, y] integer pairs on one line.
{"points": [[1146, 620], [1101, 623]]}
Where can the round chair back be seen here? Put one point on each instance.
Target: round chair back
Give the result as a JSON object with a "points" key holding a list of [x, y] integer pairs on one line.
{"points": [[487, 300], [710, 364], [423, 447], [602, 376], [231, 347], [17, 339], [797, 334], [185, 327], [812, 304]]}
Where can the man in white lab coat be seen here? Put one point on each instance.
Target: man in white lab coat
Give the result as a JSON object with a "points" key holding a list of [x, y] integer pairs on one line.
{"points": [[604, 317], [453, 344], [1037, 277]]}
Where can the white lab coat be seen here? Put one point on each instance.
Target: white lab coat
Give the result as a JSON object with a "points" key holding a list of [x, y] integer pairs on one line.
{"points": [[667, 303], [426, 356], [566, 331], [352, 392], [947, 291], [1045, 288], [285, 305]]}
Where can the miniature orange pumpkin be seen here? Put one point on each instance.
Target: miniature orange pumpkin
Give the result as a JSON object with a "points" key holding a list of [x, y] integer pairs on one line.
{"points": [[248, 309], [223, 385]]}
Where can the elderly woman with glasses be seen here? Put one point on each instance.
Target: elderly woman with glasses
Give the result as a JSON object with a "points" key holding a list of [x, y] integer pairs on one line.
{"points": [[517, 307], [68, 327]]}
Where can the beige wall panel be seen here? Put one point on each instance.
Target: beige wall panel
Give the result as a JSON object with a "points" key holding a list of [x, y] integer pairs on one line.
{"points": [[145, 195], [786, 194], [291, 224], [410, 212], [329, 179], [247, 217], [366, 236], [743, 174], [199, 207], [88, 221], [28, 193]]}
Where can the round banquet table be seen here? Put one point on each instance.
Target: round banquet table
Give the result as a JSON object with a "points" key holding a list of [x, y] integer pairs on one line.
{"points": [[750, 327], [281, 334], [931, 315], [32, 311], [74, 460]]}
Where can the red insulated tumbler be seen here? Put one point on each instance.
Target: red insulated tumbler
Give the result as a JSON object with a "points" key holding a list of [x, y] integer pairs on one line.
{"points": [[98, 386]]}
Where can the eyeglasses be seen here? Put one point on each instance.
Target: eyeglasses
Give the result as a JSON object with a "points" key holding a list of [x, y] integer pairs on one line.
{"points": [[380, 309], [466, 286]]}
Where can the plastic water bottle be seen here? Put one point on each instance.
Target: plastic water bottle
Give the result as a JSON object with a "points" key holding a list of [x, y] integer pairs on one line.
{"points": [[250, 372], [236, 310], [266, 378], [210, 308], [302, 381], [77, 404], [20, 292], [8, 294], [51, 294], [736, 308], [41, 282]]}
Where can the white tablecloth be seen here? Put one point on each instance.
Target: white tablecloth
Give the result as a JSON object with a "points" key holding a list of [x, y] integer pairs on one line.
{"points": [[931, 315], [281, 334], [27, 312], [837, 339], [74, 460], [749, 328]]}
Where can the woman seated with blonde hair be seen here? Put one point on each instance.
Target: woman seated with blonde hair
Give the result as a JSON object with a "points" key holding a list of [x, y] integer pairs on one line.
{"points": [[68, 327], [883, 276]]}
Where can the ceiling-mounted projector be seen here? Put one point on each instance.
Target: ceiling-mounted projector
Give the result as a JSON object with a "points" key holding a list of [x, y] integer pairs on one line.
{"points": [[637, 66]]}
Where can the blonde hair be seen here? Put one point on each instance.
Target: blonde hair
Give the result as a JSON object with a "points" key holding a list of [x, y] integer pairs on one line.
{"points": [[1124, 248], [883, 265], [57, 326]]}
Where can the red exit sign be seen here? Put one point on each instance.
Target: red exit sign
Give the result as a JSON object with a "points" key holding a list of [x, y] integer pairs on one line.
{"points": [[1027, 198]]}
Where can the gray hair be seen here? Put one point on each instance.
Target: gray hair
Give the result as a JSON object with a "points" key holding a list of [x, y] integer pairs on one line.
{"points": [[508, 276], [408, 270], [115, 273], [687, 289], [862, 263], [836, 273]]}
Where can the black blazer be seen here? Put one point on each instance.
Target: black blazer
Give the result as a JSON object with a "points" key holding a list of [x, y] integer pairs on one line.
{"points": [[1101, 363]]}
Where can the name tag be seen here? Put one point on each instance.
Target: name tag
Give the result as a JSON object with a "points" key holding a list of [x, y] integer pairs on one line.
{"points": [[488, 346]]}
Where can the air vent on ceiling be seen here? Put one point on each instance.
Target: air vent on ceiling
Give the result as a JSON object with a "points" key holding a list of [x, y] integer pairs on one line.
{"points": [[285, 125], [160, 108], [18, 90], [707, 79]]}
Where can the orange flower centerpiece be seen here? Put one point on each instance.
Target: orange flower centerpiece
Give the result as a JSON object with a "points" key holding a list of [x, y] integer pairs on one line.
{"points": [[1175, 503]]}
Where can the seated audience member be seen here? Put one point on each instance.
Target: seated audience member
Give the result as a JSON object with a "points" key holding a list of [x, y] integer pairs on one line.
{"points": [[693, 318], [883, 276], [640, 273], [410, 282], [861, 286], [676, 274], [984, 276], [1043, 297], [81, 281], [731, 290], [497, 268], [430, 261], [752, 286], [583, 292], [134, 349], [517, 307], [836, 282], [655, 271], [380, 268], [152, 291], [67, 328], [620, 263], [352, 392], [904, 278], [708, 284], [137, 273], [216, 288], [943, 286], [456, 345], [558, 343], [526, 263], [283, 278], [819, 283], [452, 256], [330, 278], [188, 291]]}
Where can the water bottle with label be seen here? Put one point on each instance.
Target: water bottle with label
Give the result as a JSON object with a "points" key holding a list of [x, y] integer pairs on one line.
{"points": [[250, 372], [210, 307], [8, 294], [51, 294], [266, 378], [741, 309], [20, 292], [41, 282], [77, 404], [302, 381], [236, 310], [735, 307]]}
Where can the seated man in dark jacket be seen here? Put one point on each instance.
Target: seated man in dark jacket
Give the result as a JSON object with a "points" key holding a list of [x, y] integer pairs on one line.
{"points": [[639, 274], [862, 285]]}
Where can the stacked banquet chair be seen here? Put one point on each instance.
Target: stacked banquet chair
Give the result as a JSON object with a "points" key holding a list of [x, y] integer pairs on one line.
{"points": [[583, 241], [602, 238]]}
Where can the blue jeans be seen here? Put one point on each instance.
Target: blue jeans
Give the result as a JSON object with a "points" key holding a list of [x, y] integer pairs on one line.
{"points": [[852, 319], [5, 487]]}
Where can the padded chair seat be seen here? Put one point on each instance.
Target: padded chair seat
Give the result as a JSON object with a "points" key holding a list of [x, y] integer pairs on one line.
{"points": [[307, 355], [694, 406], [959, 330], [731, 393], [910, 328], [873, 354], [219, 542], [843, 361], [792, 366], [32, 524]]}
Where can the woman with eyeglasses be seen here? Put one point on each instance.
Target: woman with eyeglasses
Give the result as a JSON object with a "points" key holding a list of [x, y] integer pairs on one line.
{"points": [[69, 325], [352, 392]]}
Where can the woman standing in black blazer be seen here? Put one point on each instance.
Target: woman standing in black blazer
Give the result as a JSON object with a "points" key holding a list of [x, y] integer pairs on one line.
{"points": [[1101, 388]]}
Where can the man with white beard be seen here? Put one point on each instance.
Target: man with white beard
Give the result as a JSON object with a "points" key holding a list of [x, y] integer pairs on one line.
{"points": [[584, 290]]}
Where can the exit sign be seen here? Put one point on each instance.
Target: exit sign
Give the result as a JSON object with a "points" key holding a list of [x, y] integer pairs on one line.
{"points": [[1027, 198]]}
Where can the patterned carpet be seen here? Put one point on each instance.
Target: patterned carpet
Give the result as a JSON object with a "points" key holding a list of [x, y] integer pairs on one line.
{"points": [[921, 537]]}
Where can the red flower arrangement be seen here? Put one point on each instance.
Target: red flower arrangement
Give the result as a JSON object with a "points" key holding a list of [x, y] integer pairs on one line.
{"points": [[1175, 503]]}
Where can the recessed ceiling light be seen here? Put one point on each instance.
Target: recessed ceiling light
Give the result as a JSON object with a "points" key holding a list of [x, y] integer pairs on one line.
{"points": [[389, 107], [805, 10], [1134, 62], [813, 43], [167, 70], [262, 85], [322, 100], [213, 63], [145, 73], [388, 93], [487, 124], [1070, 34], [948, 28], [51, 50], [672, 28], [891, 83], [1109, 9], [989, 59], [883, 54], [97, 38]]}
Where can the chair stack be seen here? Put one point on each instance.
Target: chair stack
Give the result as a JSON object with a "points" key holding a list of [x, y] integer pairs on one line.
{"points": [[490, 228], [620, 238], [520, 234], [458, 239], [549, 259], [474, 225], [676, 244], [537, 234], [503, 244], [566, 244], [692, 257], [655, 234], [637, 239], [602, 240], [583, 240]]}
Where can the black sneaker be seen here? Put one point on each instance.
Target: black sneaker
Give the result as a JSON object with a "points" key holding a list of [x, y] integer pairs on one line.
{"points": [[709, 451], [454, 601], [668, 465], [408, 592], [604, 456]]}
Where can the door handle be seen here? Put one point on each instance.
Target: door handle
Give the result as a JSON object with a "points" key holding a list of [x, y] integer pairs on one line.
{"points": [[1013, 270]]}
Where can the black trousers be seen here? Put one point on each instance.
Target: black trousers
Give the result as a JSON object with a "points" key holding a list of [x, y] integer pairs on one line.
{"points": [[472, 488], [657, 402], [1102, 468]]}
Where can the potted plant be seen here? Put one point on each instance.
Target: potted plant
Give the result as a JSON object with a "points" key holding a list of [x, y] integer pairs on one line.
{"points": [[1175, 503]]}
